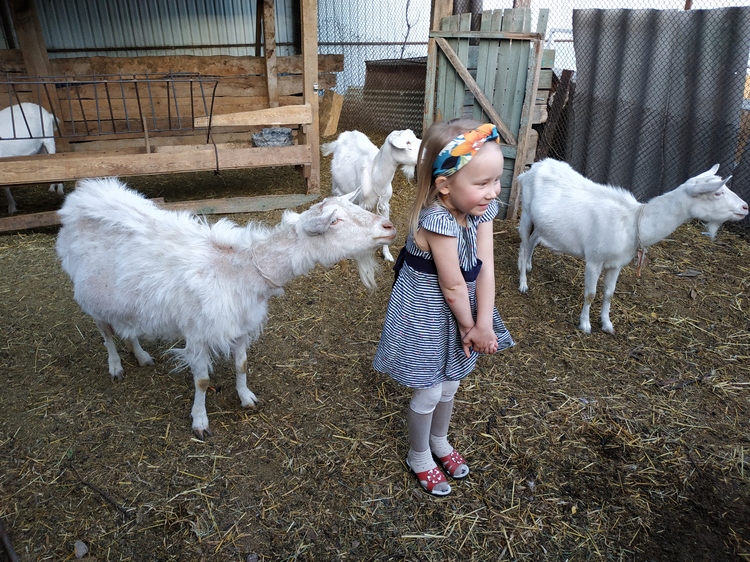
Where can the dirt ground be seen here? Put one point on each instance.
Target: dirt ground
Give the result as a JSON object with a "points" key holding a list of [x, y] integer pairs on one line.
{"points": [[599, 447]]}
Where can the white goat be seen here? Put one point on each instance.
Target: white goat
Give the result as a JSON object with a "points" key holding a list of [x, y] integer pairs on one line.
{"points": [[358, 166], [26, 129], [606, 225], [138, 270]]}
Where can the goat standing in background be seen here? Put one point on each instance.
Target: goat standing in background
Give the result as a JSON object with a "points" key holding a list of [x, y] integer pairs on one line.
{"points": [[138, 270], [26, 129], [606, 225], [359, 166]]}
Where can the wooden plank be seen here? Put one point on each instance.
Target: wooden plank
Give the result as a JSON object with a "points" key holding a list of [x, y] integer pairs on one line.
{"points": [[519, 60], [76, 165], [507, 72], [233, 205], [439, 9], [162, 108], [225, 206], [241, 86], [269, 51], [541, 29], [134, 145], [487, 59], [23, 222], [495, 34], [330, 111], [532, 83], [548, 58], [486, 105], [181, 148], [449, 80], [462, 53], [217, 65], [442, 73], [288, 115], [38, 220]]}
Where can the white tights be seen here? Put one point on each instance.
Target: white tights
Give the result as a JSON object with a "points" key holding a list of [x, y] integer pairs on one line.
{"points": [[425, 400], [428, 418]]}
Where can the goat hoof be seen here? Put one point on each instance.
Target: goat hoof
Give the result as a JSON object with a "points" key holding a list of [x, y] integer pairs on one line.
{"points": [[202, 433]]}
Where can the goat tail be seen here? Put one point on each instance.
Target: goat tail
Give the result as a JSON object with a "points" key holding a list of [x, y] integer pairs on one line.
{"points": [[328, 148], [366, 265]]}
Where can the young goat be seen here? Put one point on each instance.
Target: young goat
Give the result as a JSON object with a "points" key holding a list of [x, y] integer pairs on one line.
{"points": [[138, 270], [26, 129], [606, 226], [358, 166]]}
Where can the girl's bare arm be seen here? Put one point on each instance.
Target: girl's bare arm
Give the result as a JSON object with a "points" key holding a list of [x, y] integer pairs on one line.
{"points": [[444, 251], [483, 336]]}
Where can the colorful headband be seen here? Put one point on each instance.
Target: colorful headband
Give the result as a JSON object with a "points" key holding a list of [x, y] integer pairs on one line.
{"points": [[462, 149]]}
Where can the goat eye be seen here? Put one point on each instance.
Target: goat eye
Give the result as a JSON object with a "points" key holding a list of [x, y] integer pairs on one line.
{"points": [[335, 221]]}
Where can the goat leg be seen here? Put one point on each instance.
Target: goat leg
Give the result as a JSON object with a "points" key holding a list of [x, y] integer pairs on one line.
{"points": [[591, 277], [247, 397], [610, 280]]}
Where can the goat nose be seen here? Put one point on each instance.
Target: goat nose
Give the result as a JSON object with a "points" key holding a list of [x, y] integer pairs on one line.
{"points": [[388, 225]]}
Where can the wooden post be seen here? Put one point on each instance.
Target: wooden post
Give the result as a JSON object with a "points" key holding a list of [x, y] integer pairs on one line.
{"points": [[258, 26], [439, 10], [31, 42], [309, 134], [269, 51]]}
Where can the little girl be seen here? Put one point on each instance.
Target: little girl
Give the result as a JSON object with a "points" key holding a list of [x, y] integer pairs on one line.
{"points": [[441, 312]]}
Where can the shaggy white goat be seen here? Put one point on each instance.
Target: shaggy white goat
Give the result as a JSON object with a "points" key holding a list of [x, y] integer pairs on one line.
{"points": [[138, 270], [358, 166], [606, 225], [26, 129]]}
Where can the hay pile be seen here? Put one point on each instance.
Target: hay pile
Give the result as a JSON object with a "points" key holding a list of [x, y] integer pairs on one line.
{"points": [[632, 447]]}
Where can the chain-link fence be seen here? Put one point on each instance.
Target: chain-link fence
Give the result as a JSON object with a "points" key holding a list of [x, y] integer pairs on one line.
{"points": [[644, 94]]}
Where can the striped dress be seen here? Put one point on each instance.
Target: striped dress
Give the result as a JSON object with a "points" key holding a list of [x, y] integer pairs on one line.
{"points": [[420, 345]]}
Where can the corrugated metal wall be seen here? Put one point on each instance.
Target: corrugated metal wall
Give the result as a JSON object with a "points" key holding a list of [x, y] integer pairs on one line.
{"points": [[659, 95], [82, 28]]}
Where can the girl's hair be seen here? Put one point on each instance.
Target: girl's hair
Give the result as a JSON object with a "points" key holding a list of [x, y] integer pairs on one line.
{"points": [[438, 135]]}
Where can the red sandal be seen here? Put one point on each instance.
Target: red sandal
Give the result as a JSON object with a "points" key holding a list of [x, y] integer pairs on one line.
{"points": [[455, 465], [431, 478]]}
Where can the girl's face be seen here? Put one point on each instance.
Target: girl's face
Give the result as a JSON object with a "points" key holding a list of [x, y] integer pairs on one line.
{"points": [[470, 190]]}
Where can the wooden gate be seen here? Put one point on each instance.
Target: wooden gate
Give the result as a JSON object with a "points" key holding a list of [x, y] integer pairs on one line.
{"points": [[491, 75]]}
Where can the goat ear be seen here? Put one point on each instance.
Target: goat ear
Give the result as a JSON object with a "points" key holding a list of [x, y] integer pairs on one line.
{"points": [[708, 185], [401, 140], [708, 173], [317, 224], [352, 196]]}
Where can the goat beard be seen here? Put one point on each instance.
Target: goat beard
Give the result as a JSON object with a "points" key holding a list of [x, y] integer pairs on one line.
{"points": [[366, 265], [408, 172]]}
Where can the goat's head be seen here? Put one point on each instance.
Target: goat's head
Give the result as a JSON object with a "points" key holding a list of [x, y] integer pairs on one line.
{"points": [[713, 202], [337, 229], [406, 150]]}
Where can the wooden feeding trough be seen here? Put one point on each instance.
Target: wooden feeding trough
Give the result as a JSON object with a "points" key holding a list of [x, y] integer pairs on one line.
{"points": [[168, 114]]}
